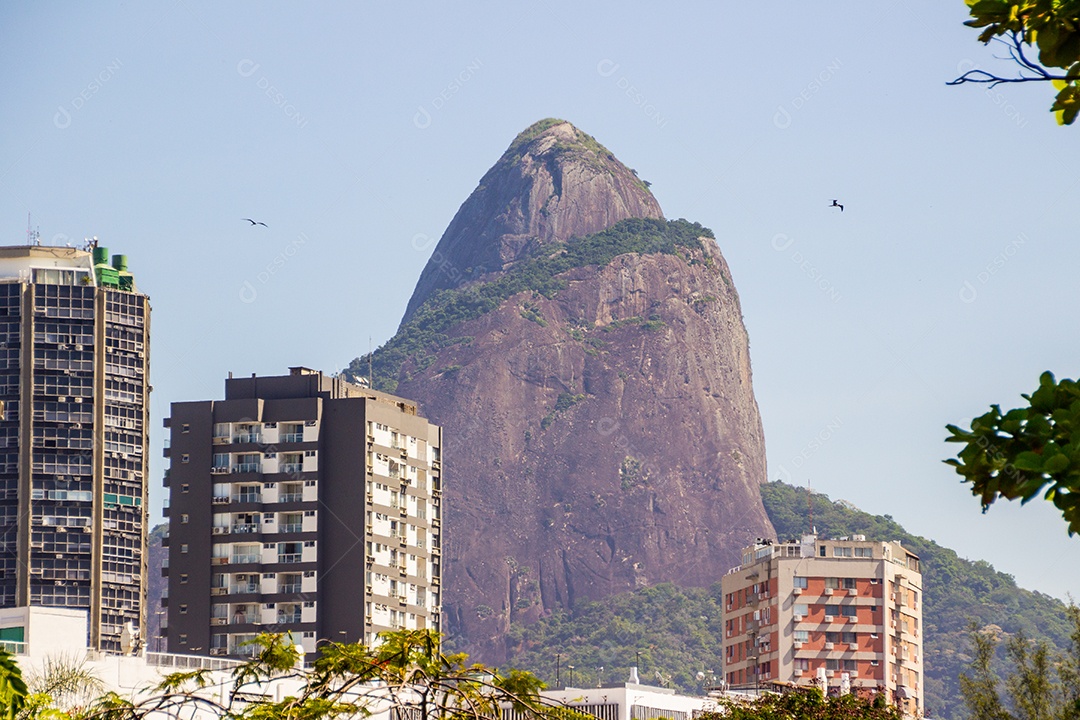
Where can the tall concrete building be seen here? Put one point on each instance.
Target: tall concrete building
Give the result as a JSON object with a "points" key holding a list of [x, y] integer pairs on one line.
{"points": [[74, 391], [301, 504], [845, 614]]}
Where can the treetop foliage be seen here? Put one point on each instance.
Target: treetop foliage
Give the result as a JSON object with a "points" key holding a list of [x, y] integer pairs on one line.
{"points": [[407, 673], [1052, 26], [807, 704], [1018, 453]]}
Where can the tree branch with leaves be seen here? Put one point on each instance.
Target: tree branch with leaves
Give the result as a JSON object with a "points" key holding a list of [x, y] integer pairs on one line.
{"points": [[1026, 451], [1050, 26]]}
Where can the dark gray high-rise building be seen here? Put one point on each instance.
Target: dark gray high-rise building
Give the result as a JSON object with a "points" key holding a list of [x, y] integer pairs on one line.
{"points": [[74, 391], [302, 504]]}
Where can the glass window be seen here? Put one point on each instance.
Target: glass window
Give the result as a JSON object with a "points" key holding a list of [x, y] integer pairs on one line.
{"points": [[802, 609], [849, 611], [832, 610], [833, 637], [799, 582], [801, 636], [833, 583]]}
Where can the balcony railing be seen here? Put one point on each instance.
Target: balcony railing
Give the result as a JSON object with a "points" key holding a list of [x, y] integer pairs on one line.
{"points": [[245, 589], [290, 588], [291, 497], [247, 498], [292, 437], [289, 558], [241, 559], [246, 468], [246, 438], [245, 527], [291, 528], [291, 468], [288, 617]]}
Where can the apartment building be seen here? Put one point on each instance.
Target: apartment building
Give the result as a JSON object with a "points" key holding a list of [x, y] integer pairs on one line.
{"points": [[845, 614], [74, 348], [302, 504]]}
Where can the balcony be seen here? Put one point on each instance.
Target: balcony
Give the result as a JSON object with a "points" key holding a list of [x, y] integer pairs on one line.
{"points": [[245, 527], [246, 438], [250, 497], [219, 470], [292, 437], [244, 559], [290, 588], [219, 621], [291, 528], [241, 619], [289, 558], [288, 618], [246, 468], [291, 468], [219, 591], [291, 497], [244, 589]]}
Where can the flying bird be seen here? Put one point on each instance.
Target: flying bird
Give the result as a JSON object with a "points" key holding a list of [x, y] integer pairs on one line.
{"points": [[836, 204], [253, 222]]}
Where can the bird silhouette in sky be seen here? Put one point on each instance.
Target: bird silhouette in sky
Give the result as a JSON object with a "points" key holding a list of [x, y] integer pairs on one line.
{"points": [[254, 222], [836, 204]]}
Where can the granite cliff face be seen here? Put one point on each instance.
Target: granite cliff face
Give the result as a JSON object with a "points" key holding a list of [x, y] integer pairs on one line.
{"points": [[601, 427], [553, 183]]}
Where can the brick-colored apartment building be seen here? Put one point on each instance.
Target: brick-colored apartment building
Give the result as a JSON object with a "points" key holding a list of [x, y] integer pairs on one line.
{"points": [[845, 613]]}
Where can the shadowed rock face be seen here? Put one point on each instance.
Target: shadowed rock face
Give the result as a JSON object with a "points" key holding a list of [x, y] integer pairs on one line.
{"points": [[597, 440], [553, 183]]}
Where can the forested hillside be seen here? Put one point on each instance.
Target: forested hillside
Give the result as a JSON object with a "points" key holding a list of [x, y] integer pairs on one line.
{"points": [[675, 633]]}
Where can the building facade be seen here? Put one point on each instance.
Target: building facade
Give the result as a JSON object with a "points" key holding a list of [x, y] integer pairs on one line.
{"points": [[74, 392], [301, 504], [846, 613]]}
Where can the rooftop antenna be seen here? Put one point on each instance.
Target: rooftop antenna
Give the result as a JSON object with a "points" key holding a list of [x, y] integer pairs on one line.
{"points": [[33, 237]]}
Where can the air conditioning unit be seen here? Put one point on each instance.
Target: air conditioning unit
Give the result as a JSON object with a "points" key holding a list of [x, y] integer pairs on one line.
{"points": [[853, 646], [852, 591], [796, 591], [798, 673], [797, 618], [223, 651], [796, 645], [218, 530], [828, 591], [829, 645]]}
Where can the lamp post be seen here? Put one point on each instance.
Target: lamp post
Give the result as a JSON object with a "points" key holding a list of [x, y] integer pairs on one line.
{"points": [[557, 658], [571, 675]]}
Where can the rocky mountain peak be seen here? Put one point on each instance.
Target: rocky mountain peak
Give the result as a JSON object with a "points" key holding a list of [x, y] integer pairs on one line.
{"points": [[553, 183]]}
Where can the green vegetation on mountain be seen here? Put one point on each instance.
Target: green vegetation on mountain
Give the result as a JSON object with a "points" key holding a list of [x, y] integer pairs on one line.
{"points": [[677, 630], [426, 331], [956, 592]]}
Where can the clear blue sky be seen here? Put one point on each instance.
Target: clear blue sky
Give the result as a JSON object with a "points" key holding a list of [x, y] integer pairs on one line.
{"points": [[355, 130]]}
